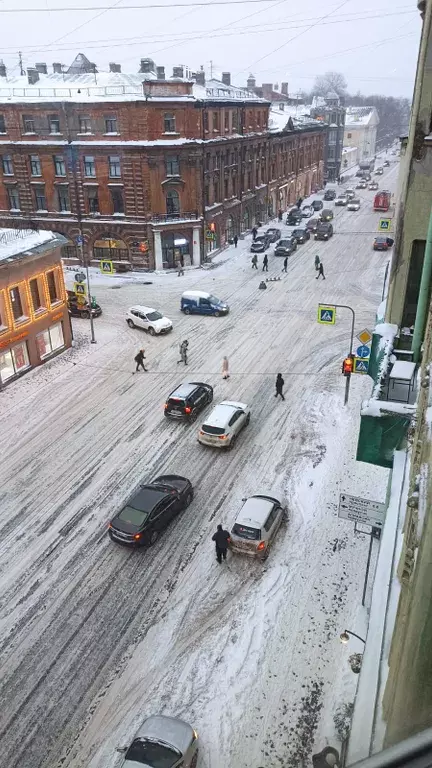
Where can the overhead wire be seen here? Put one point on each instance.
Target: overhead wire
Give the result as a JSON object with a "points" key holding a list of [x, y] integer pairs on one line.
{"points": [[81, 9]]}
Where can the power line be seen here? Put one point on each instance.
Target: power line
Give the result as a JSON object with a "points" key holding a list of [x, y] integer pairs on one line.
{"points": [[80, 9]]}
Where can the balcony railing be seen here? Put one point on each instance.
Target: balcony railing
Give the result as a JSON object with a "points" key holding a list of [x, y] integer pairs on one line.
{"points": [[163, 218]]}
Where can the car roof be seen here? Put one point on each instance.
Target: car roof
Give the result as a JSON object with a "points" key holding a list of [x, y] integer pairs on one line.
{"points": [[171, 730], [255, 511], [147, 498], [222, 413], [142, 308], [183, 390], [196, 294], [381, 237]]}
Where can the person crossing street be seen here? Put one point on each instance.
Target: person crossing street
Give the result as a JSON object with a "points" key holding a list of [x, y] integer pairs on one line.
{"points": [[320, 271], [285, 266], [139, 359], [265, 263], [221, 539], [254, 261], [183, 352]]}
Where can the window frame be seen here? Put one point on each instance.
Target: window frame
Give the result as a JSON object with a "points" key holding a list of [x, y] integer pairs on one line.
{"points": [[172, 194], [35, 165], [117, 191], [28, 122], [89, 162], [41, 295], [172, 160], [13, 189], [59, 162], [7, 161], [92, 197], [54, 273], [110, 119], [38, 196], [114, 164], [169, 120], [63, 188], [22, 317], [2, 124], [84, 122], [54, 119]]}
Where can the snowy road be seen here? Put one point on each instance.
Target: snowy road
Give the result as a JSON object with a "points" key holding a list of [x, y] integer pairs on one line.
{"points": [[94, 637]]}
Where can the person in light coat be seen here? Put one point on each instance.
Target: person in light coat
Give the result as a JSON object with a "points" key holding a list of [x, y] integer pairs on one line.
{"points": [[225, 368]]}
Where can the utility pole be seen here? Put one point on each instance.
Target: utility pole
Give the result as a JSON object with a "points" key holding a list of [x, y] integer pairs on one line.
{"points": [[20, 63]]}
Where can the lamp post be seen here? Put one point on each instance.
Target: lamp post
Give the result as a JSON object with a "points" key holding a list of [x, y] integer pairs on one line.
{"points": [[345, 636]]}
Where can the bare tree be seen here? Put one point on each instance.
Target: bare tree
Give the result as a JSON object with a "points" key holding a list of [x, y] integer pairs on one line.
{"points": [[330, 81]]}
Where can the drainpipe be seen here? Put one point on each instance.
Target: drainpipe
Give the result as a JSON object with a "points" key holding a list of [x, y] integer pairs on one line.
{"points": [[423, 297]]}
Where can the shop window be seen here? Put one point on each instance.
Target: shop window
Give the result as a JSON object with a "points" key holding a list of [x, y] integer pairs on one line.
{"points": [[63, 199], [7, 165], [114, 166], [14, 200], [35, 295], [54, 123], [169, 123], [84, 124], [14, 361], [172, 166], [110, 125], [117, 199], [52, 286], [16, 303], [49, 340], [59, 165]]}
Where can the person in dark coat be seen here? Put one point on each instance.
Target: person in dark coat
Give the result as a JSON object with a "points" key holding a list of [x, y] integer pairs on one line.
{"points": [[279, 386], [299, 202], [285, 266], [280, 214], [320, 271], [139, 359], [254, 233], [265, 263], [235, 241], [254, 261], [221, 539], [183, 352]]}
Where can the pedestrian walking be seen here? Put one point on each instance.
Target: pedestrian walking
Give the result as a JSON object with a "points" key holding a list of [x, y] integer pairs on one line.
{"points": [[180, 270], [285, 264], [279, 386], [320, 271], [225, 368], [183, 352], [139, 359], [254, 233], [235, 241], [299, 202], [280, 214], [265, 263], [317, 262], [221, 539], [254, 261]]}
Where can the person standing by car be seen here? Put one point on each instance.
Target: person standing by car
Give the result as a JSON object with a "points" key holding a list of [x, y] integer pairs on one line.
{"points": [[235, 239], [320, 271], [254, 261], [285, 266], [221, 539], [139, 359], [180, 270], [279, 386], [183, 352], [225, 368], [299, 202], [254, 233], [280, 215], [317, 262], [265, 263]]}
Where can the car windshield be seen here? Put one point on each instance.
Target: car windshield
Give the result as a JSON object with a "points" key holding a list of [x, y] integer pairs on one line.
{"points": [[133, 516], [214, 300], [298, 232], [245, 532], [154, 316], [153, 754], [284, 244], [209, 430], [176, 402]]}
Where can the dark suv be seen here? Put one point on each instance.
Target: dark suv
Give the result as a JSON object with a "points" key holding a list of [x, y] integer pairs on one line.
{"points": [[294, 218], [150, 510], [329, 194], [324, 231], [188, 400]]}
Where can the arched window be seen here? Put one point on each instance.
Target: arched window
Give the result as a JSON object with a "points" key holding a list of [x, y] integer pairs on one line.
{"points": [[169, 123], [173, 203]]}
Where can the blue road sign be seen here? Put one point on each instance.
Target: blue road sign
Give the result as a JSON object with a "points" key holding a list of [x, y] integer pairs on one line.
{"points": [[361, 366], [363, 351], [79, 239]]}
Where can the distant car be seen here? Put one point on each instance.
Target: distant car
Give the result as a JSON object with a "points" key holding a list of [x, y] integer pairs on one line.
{"points": [[330, 194], [373, 185], [260, 244], [150, 509], [350, 193], [326, 215], [317, 205], [148, 319], [301, 234], [362, 184], [223, 425], [307, 211], [256, 526], [324, 231], [164, 742], [382, 243], [186, 401], [273, 234], [294, 217], [81, 310], [312, 224], [354, 204], [386, 163], [379, 171], [341, 200], [286, 247]]}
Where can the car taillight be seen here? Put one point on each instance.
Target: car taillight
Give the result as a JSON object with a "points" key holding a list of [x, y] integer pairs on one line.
{"points": [[137, 536], [261, 546], [188, 410], [195, 734], [223, 437], [201, 432], [165, 406], [109, 525]]}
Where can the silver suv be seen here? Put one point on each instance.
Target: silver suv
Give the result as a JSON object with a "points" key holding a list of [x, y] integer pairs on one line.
{"points": [[256, 526]]}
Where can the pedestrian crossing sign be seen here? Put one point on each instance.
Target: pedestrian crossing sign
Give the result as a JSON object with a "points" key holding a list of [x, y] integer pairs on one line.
{"points": [[80, 289], [361, 365], [384, 225], [326, 314], [106, 267]]}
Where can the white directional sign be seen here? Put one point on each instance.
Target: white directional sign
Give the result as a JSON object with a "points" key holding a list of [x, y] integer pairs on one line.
{"points": [[361, 510]]}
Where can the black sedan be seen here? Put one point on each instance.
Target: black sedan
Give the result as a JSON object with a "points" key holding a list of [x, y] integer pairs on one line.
{"points": [[329, 194], [312, 225], [150, 510], [260, 244], [382, 243], [294, 217], [301, 234], [286, 247], [317, 205], [273, 234]]}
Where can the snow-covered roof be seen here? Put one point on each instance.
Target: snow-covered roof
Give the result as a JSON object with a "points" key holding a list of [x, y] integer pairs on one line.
{"points": [[16, 242], [216, 89], [292, 118], [360, 116]]}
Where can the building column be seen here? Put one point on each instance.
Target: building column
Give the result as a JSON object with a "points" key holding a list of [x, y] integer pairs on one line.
{"points": [[158, 250], [196, 246]]}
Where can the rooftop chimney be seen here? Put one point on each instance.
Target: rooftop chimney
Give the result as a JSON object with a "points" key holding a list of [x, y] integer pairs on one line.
{"points": [[226, 78], [113, 67], [160, 73], [147, 65], [41, 67], [32, 75], [267, 90], [178, 72], [57, 68], [200, 77], [284, 89], [2, 68], [276, 86], [251, 82]]}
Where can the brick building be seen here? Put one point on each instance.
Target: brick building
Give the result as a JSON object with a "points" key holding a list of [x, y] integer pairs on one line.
{"points": [[146, 169]]}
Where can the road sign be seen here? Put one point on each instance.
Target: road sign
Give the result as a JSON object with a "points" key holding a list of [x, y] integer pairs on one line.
{"points": [[80, 289], [384, 225], [81, 300], [326, 314], [361, 510], [364, 336], [361, 365], [79, 239], [106, 267], [363, 351], [80, 277]]}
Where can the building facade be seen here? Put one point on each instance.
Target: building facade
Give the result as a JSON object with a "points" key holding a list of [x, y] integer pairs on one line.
{"points": [[145, 170], [330, 109], [34, 319], [361, 130]]}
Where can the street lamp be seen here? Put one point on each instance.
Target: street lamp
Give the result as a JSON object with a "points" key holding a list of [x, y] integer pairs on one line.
{"points": [[345, 636]]}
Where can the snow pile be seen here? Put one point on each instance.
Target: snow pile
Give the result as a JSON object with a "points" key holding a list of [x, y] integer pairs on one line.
{"points": [[14, 241], [387, 331], [377, 408]]}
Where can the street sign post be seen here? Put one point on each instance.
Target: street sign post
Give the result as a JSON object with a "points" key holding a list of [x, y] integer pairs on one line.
{"points": [[384, 225], [365, 336], [361, 510], [361, 365], [79, 240], [326, 314], [106, 267]]}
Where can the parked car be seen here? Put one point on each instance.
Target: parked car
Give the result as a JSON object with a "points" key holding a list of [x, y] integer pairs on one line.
{"points": [[186, 401], [285, 247], [354, 204], [165, 742], [362, 184], [326, 215], [341, 200], [150, 510], [223, 425], [256, 526], [379, 171], [81, 310], [273, 234], [349, 193], [382, 243], [330, 194], [324, 231], [148, 319], [317, 205], [294, 217], [386, 163], [307, 211], [302, 234], [373, 185], [312, 224], [366, 175], [202, 303], [260, 244]]}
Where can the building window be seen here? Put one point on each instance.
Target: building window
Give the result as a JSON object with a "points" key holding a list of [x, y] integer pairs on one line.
{"points": [[117, 199], [169, 123], [173, 203], [35, 295], [40, 198], [35, 165], [226, 119], [226, 184], [63, 199], [205, 120], [110, 125], [2, 124], [59, 165], [93, 199], [7, 165], [215, 121], [13, 361], [349, 135], [50, 340], [84, 124], [16, 303], [258, 119], [89, 166], [172, 166], [114, 166], [28, 124], [52, 286], [234, 121], [14, 200], [54, 123]]}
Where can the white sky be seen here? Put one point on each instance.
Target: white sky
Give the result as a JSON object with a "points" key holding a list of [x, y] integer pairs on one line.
{"points": [[374, 44]]}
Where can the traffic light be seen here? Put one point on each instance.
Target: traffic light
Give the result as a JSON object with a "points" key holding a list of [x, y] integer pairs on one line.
{"points": [[348, 365]]}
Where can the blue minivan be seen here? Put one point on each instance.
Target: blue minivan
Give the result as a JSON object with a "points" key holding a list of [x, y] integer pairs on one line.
{"points": [[202, 303]]}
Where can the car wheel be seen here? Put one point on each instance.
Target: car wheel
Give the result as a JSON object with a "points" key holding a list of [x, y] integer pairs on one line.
{"points": [[151, 331], [189, 498], [248, 419], [153, 538], [85, 315], [216, 314], [232, 442], [194, 761], [131, 323], [210, 397], [193, 417], [187, 311]]}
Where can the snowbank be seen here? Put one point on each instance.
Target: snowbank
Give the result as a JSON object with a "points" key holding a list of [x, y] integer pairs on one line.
{"points": [[379, 408]]}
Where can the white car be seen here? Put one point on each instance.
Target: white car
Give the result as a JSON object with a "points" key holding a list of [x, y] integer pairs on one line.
{"points": [[222, 426], [256, 525], [162, 741], [350, 193], [148, 319], [354, 204]]}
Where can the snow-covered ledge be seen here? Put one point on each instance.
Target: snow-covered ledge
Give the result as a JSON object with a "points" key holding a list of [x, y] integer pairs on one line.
{"points": [[367, 727]]}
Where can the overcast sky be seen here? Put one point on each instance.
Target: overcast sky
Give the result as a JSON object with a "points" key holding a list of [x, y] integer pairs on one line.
{"points": [[374, 43]]}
